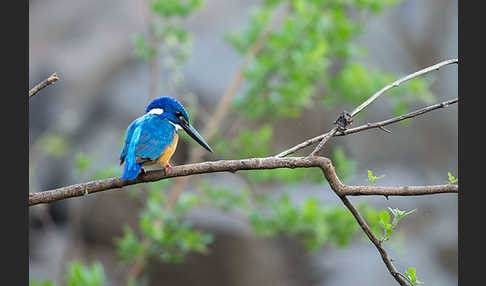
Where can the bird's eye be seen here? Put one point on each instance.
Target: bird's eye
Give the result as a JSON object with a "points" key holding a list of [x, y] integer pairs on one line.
{"points": [[179, 115]]}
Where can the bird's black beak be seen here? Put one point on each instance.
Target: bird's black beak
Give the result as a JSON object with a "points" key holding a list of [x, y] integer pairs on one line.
{"points": [[195, 135]]}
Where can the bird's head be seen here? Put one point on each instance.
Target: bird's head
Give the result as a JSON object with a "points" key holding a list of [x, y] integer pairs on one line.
{"points": [[174, 112]]}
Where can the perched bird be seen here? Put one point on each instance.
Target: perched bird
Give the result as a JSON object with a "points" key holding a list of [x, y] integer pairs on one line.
{"points": [[152, 138]]}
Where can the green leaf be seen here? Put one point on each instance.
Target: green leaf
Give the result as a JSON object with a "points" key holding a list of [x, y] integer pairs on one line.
{"points": [[83, 163], [54, 145], [80, 275], [129, 247], [372, 179], [411, 276], [384, 217], [35, 282], [142, 50], [452, 179], [345, 167]]}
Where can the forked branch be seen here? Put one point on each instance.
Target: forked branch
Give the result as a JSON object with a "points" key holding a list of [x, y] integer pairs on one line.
{"points": [[366, 127]]}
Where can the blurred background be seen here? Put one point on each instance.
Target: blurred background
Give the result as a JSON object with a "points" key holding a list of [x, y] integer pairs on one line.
{"points": [[101, 50]]}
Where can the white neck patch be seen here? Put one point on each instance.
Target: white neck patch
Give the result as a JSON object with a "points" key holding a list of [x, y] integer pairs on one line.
{"points": [[177, 126], [157, 111]]}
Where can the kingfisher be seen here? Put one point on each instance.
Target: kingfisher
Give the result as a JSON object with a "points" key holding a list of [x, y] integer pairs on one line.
{"points": [[152, 138]]}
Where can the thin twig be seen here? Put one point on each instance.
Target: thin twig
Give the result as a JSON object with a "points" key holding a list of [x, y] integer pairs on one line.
{"points": [[332, 132], [399, 118], [367, 126], [384, 129], [53, 78], [326, 137], [400, 81]]}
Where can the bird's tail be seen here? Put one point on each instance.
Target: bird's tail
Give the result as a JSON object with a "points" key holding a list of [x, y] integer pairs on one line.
{"points": [[132, 168]]}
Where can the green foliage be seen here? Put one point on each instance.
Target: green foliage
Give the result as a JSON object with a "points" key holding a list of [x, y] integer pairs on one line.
{"points": [[286, 176], [54, 145], [372, 179], [384, 220], [254, 143], [355, 83], [35, 282], [142, 51], [411, 276], [80, 275], [345, 167], [313, 223], [174, 8], [297, 57], [129, 246], [224, 198], [170, 236], [372, 217], [375, 6], [107, 172], [452, 179], [166, 43], [82, 164]]}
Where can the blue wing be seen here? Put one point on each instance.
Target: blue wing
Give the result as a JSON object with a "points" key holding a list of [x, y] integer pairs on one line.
{"points": [[128, 138], [146, 139]]}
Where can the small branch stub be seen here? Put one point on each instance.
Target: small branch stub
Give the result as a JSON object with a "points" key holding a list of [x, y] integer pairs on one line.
{"points": [[53, 78], [344, 121]]}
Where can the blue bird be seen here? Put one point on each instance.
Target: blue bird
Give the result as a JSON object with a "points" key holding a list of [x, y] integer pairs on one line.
{"points": [[152, 138]]}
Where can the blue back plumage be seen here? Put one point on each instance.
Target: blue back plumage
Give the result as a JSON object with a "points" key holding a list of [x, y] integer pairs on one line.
{"points": [[146, 139]]}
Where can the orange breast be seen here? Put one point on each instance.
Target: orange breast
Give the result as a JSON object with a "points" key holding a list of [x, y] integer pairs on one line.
{"points": [[166, 155], [169, 151]]}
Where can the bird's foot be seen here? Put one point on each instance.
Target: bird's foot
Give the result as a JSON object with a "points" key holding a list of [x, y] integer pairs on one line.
{"points": [[167, 166]]}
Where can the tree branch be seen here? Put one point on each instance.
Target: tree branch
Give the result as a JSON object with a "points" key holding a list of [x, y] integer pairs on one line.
{"points": [[367, 126], [325, 137], [362, 223], [234, 166], [400, 81], [53, 78], [324, 140]]}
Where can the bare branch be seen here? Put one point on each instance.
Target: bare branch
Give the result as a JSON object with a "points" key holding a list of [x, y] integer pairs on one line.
{"points": [[400, 81], [53, 78], [325, 138], [367, 126], [234, 166], [333, 131], [362, 223], [399, 118]]}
